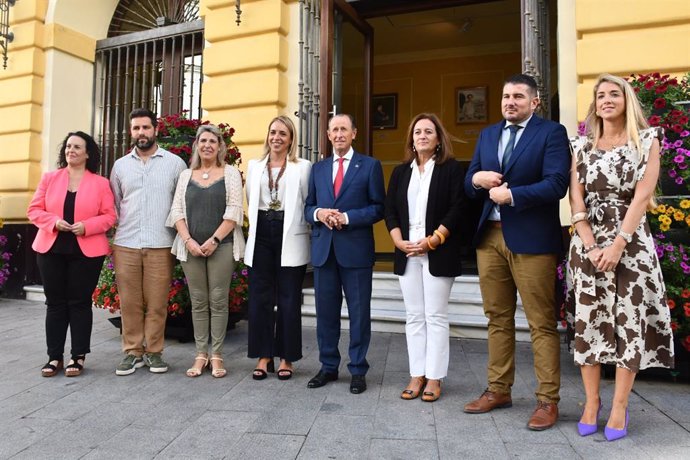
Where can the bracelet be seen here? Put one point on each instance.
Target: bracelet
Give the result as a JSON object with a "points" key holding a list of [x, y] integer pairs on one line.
{"points": [[578, 217], [440, 235], [216, 240], [428, 242], [187, 239], [626, 236], [591, 247]]}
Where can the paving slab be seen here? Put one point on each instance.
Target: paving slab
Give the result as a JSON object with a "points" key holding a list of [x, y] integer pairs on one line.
{"points": [[149, 416]]}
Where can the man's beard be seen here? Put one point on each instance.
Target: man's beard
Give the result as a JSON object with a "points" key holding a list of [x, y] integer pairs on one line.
{"points": [[145, 143]]}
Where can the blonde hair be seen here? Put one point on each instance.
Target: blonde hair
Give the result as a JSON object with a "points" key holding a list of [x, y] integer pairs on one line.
{"points": [[635, 120], [195, 161], [292, 148]]}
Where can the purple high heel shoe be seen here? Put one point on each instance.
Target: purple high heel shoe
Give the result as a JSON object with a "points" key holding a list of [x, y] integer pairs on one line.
{"points": [[585, 429], [612, 434]]}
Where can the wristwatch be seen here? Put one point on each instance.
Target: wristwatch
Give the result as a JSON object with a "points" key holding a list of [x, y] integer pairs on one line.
{"points": [[625, 235], [216, 240]]}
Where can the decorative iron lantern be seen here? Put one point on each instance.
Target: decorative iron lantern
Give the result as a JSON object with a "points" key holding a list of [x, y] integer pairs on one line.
{"points": [[6, 36]]}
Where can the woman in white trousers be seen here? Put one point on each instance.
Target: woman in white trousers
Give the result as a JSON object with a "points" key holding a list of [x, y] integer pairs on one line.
{"points": [[424, 203]]}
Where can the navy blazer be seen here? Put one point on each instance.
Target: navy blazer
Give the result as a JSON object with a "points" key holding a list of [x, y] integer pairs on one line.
{"points": [[537, 175], [446, 205], [361, 197]]}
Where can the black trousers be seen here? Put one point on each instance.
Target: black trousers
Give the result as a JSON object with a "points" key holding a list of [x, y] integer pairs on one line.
{"points": [[274, 332], [68, 282]]}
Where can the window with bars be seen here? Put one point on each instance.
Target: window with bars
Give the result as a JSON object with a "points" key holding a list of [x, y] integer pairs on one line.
{"points": [[146, 63]]}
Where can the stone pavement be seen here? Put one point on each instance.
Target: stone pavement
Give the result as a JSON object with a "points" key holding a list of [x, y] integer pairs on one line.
{"points": [[101, 416]]}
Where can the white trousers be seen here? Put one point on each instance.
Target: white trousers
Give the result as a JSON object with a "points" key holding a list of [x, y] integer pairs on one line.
{"points": [[426, 329]]}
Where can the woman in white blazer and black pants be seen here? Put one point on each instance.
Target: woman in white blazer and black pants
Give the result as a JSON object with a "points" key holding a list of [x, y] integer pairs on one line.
{"points": [[277, 250]]}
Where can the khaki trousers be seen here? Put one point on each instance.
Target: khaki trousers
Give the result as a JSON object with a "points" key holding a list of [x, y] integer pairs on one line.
{"points": [[143, 280], [208, 279], [501, 273]]}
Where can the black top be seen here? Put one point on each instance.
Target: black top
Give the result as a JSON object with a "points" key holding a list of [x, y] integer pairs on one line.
{"points": [[66, 242], [446, 206], [205, 209]]}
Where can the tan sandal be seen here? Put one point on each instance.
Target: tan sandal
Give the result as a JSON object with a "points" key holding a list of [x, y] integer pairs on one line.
{"points": [[412, 392], [429, 395], [197, 371], [218, 372]]}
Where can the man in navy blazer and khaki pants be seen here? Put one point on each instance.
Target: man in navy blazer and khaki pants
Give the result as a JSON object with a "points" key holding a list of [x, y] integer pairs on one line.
{"points": [[520, 172], [345, 200]]}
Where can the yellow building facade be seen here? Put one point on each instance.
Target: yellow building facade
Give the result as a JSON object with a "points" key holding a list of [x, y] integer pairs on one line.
{"points": [[251, 71]]}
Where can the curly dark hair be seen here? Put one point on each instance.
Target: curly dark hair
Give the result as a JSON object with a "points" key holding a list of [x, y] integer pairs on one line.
{"points": [[93, 162]]}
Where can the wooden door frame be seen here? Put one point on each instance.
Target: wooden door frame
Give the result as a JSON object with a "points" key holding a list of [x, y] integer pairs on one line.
{"points": [[326, 71]]}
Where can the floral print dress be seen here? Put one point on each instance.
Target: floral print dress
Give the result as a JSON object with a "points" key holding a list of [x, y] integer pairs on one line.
{"points": [[619, 317]]}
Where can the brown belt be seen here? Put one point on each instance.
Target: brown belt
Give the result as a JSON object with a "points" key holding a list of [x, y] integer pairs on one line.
{"points": [[494, 223]]}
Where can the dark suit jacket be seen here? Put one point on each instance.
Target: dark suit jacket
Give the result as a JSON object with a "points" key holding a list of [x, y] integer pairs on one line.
{"points": [[446, 206], [537, 175], [361, 197]]}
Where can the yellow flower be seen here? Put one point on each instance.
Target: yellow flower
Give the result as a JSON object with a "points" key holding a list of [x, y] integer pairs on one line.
{"points": [[678, 215], [661, 208], [685, 204], [670, 210], [687, 220], [664, 227], [664, 219]]}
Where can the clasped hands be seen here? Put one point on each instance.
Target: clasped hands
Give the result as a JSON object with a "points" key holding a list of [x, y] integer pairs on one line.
{"points": [[331, 218], [605, 259], [204, 250], [413, 248], [77, 228], [493, 182]]}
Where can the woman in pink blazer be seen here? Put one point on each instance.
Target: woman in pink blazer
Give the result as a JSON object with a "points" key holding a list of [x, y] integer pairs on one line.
{"points": [[73, 207]]}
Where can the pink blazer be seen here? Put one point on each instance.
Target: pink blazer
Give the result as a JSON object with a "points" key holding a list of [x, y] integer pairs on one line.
{"points": [[94, 206]]}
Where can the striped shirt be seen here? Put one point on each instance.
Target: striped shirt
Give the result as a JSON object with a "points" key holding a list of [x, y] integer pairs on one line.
{"points": [[143, 195]]}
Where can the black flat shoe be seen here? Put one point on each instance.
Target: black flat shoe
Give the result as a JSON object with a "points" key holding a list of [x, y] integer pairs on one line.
{"points": [[358, 384], [322, 378]]}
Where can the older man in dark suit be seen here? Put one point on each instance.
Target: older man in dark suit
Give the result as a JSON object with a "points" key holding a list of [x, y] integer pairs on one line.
{"points": [[520, 172], [345, 200]]}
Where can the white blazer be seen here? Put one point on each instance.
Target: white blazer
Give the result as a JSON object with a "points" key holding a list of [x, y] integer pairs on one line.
{"points": [[295, 229]]}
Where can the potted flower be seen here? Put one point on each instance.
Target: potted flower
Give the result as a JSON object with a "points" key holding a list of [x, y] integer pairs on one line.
{"points": [[5, 257], [176, 134], [665, 100]]}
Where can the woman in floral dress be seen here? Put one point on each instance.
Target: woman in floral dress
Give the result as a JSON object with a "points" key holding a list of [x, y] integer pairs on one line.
{"points": [[618, 312]]}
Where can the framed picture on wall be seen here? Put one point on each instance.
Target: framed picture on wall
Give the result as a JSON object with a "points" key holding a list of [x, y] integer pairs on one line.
{"points": [[384, 109], [471, 105]]}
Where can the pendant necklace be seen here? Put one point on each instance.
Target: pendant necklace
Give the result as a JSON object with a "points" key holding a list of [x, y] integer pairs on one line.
{"points": [[205, 175], [275, 203]]}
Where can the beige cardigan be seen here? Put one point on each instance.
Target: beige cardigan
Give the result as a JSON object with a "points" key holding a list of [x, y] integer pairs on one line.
{"points": [[233, 210]]}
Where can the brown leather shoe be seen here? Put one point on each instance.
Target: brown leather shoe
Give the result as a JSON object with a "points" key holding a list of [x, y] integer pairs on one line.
{"points": [[544, 417], [487, 402]]}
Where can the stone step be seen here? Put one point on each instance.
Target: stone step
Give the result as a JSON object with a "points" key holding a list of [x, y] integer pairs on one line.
{"points": [[465, 308], [35, 292]]}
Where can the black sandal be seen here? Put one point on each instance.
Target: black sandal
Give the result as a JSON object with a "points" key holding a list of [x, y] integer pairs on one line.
{"points": [[74, 368], [49, 370], [260, 374], [284, 374]]}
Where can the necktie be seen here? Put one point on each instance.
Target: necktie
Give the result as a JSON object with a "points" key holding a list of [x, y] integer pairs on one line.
{"points": [[339, 176], [508, 151]]}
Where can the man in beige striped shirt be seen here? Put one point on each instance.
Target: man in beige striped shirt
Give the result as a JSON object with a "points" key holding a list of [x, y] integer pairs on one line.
{"points": [[143, 182]]}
